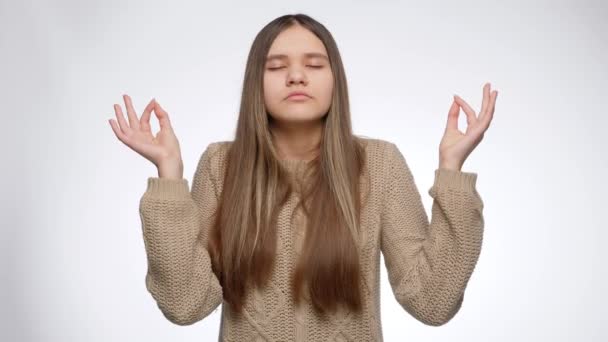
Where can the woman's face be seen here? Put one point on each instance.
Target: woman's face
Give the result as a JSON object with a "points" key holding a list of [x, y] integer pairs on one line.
{"points": [[297, 61]]}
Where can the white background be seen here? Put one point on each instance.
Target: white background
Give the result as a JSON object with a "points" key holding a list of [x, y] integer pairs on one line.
{"points": [[73, 258]]}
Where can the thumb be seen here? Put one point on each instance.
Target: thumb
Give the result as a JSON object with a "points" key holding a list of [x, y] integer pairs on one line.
{"points": [[162, 115], [453, 114]]}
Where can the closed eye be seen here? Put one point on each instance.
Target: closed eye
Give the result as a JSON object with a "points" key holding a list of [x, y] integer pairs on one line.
{"points": [[312, 66]]}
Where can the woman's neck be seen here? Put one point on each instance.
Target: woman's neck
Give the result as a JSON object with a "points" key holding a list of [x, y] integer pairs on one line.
{"points": [[297, 141]]}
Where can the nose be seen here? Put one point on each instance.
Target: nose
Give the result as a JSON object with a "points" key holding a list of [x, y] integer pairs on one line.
{"points": [[296, 76]]}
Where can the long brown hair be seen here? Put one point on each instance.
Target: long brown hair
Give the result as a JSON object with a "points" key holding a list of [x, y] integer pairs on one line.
{"points": [[242, 243]]}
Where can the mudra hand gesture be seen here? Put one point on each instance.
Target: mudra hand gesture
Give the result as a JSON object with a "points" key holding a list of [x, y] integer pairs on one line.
{"points": [[455, 146], [163, 150]]}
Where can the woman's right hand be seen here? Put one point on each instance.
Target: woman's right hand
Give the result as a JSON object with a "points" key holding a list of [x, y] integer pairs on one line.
{"points": [[162, 150]]}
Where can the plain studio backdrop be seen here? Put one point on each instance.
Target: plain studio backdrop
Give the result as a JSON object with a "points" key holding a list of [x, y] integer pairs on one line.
{"points": [[73, 257]]}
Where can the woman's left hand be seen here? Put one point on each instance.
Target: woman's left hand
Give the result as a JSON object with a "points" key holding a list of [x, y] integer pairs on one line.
{"points": [[455, 146]]}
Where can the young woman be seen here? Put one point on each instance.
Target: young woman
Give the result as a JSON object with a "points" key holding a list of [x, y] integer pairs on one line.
{"points": [[284, 225]]}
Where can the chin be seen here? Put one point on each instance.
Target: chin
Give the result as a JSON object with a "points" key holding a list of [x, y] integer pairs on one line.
{"points": [[301, 115]]}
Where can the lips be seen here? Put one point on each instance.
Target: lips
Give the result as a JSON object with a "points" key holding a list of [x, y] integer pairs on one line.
{"points": [[298, 94]]}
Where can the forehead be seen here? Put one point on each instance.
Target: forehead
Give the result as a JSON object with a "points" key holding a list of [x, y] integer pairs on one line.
{"points": [[296, 42]]}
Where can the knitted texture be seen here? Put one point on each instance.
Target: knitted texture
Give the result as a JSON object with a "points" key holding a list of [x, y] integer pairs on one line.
{"points": [[428, 264]]}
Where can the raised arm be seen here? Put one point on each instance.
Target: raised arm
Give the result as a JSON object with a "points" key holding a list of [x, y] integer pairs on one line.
{"points": [[179, 275], [429, 265]]}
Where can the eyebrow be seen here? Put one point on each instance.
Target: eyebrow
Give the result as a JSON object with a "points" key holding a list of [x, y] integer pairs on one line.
{"points": [[307, 55]]}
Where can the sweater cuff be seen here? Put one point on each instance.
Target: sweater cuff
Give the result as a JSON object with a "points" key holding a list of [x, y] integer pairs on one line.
{"points": [[168, 188], [454, 179]]}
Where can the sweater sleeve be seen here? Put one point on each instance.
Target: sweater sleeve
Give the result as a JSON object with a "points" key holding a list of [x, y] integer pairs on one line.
{"points": [[429, 265], [179, 275]]}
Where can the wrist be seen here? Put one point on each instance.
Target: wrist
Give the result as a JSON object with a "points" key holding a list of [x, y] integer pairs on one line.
{"points": [[450, 165], [172, 170]]}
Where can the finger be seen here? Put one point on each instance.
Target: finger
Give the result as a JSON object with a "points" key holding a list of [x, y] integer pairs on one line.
{"points": [[133, 122], [124, 126], [490, 112], [453, 116], [485, 100], [162, 115], [123, 137], [144, 121], [117, 131], [471, 116]]}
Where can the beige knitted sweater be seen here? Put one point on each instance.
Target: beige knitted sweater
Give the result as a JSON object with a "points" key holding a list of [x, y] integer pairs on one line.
{"points": [[428, 265]]}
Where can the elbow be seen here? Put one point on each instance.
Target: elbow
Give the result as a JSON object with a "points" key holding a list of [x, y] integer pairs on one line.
{"points": [[445, 314], [432, 314], [186, 304], [432, 319], [437, 321], [179, 318], [179, 311], [187, 314]]}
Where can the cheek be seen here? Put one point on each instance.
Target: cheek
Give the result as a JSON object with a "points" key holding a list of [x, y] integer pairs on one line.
{"points": [[270, 88], [327, 86]]}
